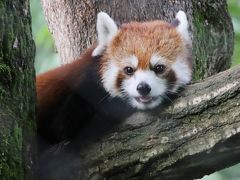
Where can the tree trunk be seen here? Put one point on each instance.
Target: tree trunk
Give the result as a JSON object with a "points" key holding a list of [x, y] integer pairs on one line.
{"points": [[197, 134], [17, 91], [73, 25]]}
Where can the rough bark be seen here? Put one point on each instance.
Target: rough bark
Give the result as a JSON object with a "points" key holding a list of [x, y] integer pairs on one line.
{"points": [[194, 136], [72, 24], [212, 37], [17, 91], [198, 133]]}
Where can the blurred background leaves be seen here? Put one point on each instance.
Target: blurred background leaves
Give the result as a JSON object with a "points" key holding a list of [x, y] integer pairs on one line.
{"points": [[47, 58], [46, 55], [234, 9]]}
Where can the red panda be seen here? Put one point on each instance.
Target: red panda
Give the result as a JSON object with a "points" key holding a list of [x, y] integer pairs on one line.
{"points": [[132, 67]]}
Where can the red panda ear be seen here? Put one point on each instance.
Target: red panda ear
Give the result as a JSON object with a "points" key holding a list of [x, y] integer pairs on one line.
{"points": [[181, 24], [106, 30]]}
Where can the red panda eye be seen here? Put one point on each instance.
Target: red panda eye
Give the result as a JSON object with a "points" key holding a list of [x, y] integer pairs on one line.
{"points": [[128, 70], [159, 69]]}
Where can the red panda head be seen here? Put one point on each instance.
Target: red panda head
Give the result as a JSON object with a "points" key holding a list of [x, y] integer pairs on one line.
{"points": [[143, 62]]}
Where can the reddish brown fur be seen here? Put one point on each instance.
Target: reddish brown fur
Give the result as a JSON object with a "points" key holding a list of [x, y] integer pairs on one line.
{"points": [[55, 84], [171, 78], [120, 79], [142, 40]]}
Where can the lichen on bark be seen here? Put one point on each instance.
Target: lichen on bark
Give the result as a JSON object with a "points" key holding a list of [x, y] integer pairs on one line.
{"points": [[213, 38], [10, 148], [17, 91]]}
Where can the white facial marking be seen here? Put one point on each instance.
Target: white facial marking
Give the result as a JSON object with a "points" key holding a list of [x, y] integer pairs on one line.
{"points": [[109, 78], [158, 88], [182, 28], [106, 29], [133, 60], [157, 59], [183, 73]]}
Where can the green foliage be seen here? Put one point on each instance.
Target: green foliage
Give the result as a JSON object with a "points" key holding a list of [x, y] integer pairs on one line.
{"points": [[234, 9], [46, 56]]}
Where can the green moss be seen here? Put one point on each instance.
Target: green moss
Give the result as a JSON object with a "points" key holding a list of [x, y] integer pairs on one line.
{"points": [[4, 67], [3, 94], [199, 55], [213, 38], [2, 5], [17, 135], [10, 153], [5, 73], [17, 91]]}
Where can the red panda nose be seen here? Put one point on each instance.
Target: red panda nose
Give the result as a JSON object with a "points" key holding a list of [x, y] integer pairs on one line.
{"points": [[143, 88]]}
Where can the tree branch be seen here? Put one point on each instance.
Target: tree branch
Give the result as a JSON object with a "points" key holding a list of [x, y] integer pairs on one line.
{"points": [[193, 137]]}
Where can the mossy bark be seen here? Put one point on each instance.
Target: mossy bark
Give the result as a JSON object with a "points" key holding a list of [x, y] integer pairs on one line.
{"points": [[17, 91], [213, 37]]}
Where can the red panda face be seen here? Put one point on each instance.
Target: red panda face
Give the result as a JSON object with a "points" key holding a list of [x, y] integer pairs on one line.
{"points": [[143, 62]]}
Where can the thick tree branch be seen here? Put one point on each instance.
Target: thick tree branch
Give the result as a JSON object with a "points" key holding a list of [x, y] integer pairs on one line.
{"points": [[191, 138]]}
